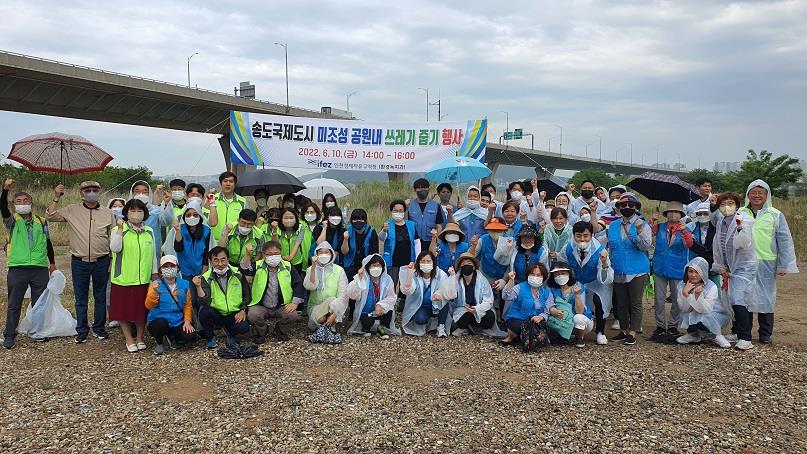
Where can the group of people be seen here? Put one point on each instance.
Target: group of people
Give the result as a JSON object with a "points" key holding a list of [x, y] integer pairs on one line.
{"points": [[182, 263]]}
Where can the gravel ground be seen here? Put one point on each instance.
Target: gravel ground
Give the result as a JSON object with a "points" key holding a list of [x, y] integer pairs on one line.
{"points": [[403, 395]]}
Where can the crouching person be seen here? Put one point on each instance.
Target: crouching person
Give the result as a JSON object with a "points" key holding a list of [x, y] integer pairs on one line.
{"points": [[471, 299], [425, 308], [277, 290], [327, 283], [223, 299], [374, 292], [170, 307], [702, 311], [529, 300]]}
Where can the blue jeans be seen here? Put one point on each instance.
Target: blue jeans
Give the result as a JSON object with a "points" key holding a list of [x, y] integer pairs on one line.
{"points": [[423, 315], [82, 272]]}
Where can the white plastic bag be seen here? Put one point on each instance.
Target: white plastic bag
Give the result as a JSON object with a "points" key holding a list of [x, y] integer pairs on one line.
{"points": [[48, 318]]}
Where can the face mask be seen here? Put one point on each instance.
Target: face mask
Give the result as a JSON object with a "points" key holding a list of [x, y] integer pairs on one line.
{"points": [[703, 219], [426, 268], [289, 223], [273, 260], [244, 230], [323, 259], [397, 217], [445, 197], [565, 207], [192, 220], [195, 199], [136, 217], [728, 210], [335, 220], [359, 225], [422, 193], [375, 271], [627, 212], [289, 204], [118, 211], [261, 202], [330, 204], [142, 197], [495, 235], [535, 281], [22, 209], [310, 217], [492, 195], [177, 195], [527, 245], [169, 272], [583, 244], [562, 279], [91, 196], [515, 195], [472, 204], [452, 237], [585, 218], [587, 193], [221, 272], [467, 270]]}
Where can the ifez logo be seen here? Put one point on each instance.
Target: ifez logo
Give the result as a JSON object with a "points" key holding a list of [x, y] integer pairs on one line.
{"points": [[320, 163]]}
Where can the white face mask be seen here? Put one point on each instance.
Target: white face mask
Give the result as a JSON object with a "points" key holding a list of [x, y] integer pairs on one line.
{"points": [[273, 260], [195, 199], [495, 236], [22, 209], [244, 230], [515, 195], [289, 223], [562, 279], [397, 217], [527, 245], [118, 211], [310, 217], [426, 268], [192, 220], [535, 281], [585, 218], [221, 272], [452, 237], [323, 259], [583, 244], [169, 272], [135, 217], [261, 201], [565, 207], [703, 218], [143, 198], [177, 195], [335, 220], [375, 271], [330, 204], [472, 204]]}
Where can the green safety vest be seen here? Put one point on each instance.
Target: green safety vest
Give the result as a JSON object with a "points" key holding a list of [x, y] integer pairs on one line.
{"points": [[237, 244], [28, 248], [305, 245], [765, 225], [283, 282], [287, 244], [230, 302], [329, 290], [133, 264], [227, 214]]}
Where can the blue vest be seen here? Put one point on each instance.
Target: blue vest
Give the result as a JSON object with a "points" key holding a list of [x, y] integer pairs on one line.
{"points": [[426, 220], [389, 243], [669, 260], [472, 225], [167, 308], [445, 259], [369, 304], [516, 228], [584, 274], [351, 253], [523, 260], [557, 294], [190, 259], [490, 267], [525, 306], [625, 257]]}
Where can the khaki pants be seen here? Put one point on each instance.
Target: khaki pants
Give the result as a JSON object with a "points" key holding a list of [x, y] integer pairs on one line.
{"points": [[259, 316]]}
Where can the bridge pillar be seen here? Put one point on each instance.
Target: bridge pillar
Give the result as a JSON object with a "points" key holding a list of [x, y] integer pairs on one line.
{"points": [[394, 177], [238, 169], [493, 166]]}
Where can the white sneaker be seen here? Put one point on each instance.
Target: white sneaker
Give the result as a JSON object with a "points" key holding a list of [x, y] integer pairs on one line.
{"points": [[722, 342], [744, 345], [113, 324], [580, 343], [441, 331], [601, 339], [731, 337], [688, 338], [132, 348], [460, 332], [615, 325]]}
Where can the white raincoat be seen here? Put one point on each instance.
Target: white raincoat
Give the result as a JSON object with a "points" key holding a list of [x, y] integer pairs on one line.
{"points": [[320, 273], [774, 248], [709, 308], [463, 213], [455, 292], [358, 290], [734, 253], [413, 289]]}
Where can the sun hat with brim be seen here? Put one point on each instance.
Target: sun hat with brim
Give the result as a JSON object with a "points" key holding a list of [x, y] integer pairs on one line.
{"points": [[674, 206], [703, 206], [495, 225], [464, 257], [452, 228], [89, 184], [629, 197], [528, 230], [168, 259]]}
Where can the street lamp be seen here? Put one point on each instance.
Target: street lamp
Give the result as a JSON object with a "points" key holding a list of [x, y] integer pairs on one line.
{"points": [[347, 99], [506, 120], [631, 152], [189, 68], [600, 137], [561, 139], [286, 54], [587, 145], [427, 102]]}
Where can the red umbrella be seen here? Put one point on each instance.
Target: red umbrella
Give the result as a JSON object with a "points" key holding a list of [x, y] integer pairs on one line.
{"points": [[59, 153]]}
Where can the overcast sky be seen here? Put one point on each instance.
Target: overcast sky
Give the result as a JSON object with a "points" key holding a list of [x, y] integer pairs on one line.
{"points": [[705, 79]]}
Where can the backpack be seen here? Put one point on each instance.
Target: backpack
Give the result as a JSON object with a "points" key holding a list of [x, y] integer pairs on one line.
{"points": [[325, 335], [533, 336]]}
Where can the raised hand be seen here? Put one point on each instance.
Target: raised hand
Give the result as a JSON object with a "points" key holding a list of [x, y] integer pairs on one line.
{"points": [[542, 195], [250, 248], [604, 257], [360, 273], [451, 270], [411, 267], [346, 235], [512, 275], [176, 227], [8, 184], [120, 224], [58, 190], [197, 281], [155, 285], [434, 232], [385, 228], [577, 289], [523, 215], [474, 240]]}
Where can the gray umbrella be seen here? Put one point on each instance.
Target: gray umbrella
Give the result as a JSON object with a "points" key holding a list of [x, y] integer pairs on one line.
{"points": [[272, 180]]}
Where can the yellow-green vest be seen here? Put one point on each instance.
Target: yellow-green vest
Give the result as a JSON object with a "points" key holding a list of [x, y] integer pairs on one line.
{"points": [[230, 302], [765, 226], [227, 214], [283, 282], [23, 250], [133, 265], [329, 290], [238, 248]]}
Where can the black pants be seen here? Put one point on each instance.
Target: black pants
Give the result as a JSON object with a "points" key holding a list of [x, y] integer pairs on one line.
{"points": [[599, 316], [367, 321], [211, 318], [468, 320], [514, 325], [159, 328], [19, 278], [765, 324], [742, 322], [697, 327]]}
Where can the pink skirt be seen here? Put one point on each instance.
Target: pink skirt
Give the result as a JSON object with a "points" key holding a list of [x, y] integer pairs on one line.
{"points": [[128, 303]]}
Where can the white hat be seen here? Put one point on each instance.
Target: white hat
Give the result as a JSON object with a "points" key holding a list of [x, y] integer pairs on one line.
{"points": [[703, 206], [168, 259]]}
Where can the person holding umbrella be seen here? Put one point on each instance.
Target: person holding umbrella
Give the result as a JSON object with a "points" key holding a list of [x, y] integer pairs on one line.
{"points": [[89, 225]]}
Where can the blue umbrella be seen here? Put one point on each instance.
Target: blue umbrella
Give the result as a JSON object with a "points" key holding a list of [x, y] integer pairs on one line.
{"points": [[458, 169]]}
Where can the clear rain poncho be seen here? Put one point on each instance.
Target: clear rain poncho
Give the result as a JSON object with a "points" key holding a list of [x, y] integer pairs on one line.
{"points": [[734, 253], [711, 310], [412, 287], [325, 298], [358, 289]]}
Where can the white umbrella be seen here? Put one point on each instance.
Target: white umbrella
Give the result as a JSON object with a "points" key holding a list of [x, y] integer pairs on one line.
{"points": [[318, 187]]}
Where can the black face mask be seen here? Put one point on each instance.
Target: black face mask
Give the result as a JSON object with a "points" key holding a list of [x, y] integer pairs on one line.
{"points": [[467, 270], [627, 212], [587, 193], [422, 193], [359, 225]]}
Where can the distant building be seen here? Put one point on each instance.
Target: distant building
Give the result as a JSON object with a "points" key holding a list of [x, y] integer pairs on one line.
{"points": [[726, 167]]}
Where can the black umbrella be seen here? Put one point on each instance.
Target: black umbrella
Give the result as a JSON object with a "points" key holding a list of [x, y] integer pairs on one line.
{"points": [[549, 183], [666, 188], [272, 180]]}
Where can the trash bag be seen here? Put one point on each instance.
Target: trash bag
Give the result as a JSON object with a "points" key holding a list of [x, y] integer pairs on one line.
{"points": [[48, 318]]}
